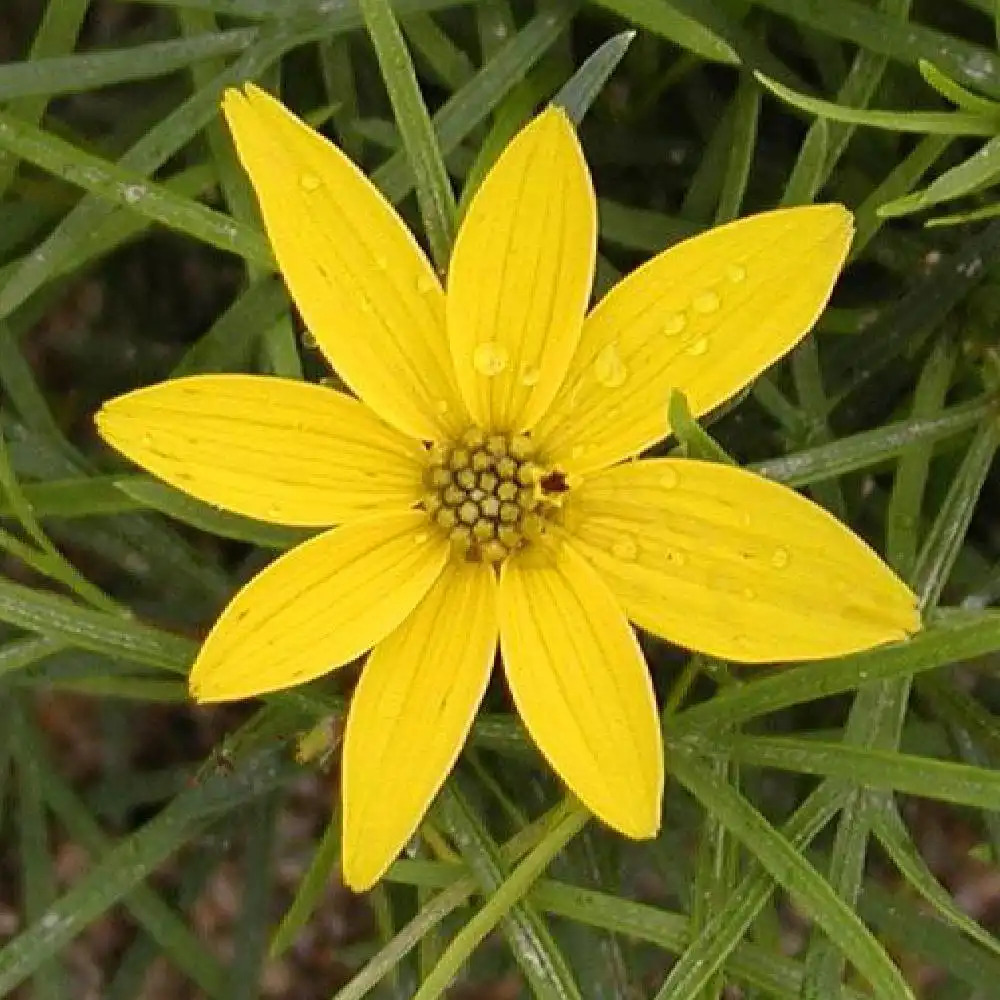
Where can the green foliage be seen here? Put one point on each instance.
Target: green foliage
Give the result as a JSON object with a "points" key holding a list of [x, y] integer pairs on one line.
{"points": [[783, 785]]}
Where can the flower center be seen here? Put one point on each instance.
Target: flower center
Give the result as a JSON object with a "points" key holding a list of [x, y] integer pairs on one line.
{"points": [[491, 493]]}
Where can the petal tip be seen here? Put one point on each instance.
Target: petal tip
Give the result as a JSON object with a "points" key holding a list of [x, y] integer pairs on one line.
{"points": [[358, 873], [233, 99], [642, 822]]}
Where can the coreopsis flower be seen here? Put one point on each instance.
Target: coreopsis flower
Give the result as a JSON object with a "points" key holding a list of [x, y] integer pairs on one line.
{"points": [[477, 487]]}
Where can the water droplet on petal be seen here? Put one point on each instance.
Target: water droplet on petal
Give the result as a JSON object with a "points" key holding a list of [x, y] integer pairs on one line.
{"points": [[780, 558], [736, 273], [421, 537], [382, 263], [625, 549], [609, 369], [705, 303], [749, 593], [425, 284], [676, 557], [441, 406], [669, 478], [697, 347], [309, 182], [490, 358], [530, 375], [674, 324]]}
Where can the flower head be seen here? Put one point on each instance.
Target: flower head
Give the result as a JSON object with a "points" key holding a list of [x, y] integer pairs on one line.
{"points": [[474, 487]]}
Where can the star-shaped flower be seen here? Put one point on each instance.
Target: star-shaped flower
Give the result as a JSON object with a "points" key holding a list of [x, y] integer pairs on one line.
{"points": [[477, 488]]}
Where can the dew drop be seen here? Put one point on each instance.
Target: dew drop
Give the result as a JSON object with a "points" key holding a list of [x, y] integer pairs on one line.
{"points": [[697, 347], [490, 358], [736, 273], [420, 537], [382, 263], [530, 375], [707, 302], [609, 369], [425, 284], [674, 324], [780, 558], [441, 406], [669, 478], [309, 182], [133, 193], [749, 593], [675, 557], [625, 549]]}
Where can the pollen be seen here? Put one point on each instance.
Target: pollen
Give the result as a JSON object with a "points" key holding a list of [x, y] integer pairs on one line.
{"points": [[491, 494]]}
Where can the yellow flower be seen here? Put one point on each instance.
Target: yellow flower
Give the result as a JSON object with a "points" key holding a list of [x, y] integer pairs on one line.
{"points": [[478, 480]]}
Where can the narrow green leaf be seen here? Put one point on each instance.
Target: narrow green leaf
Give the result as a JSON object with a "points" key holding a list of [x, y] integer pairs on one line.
{"points": [[895, 838], [970, 176], [872, 767], [868, 448], [165, 925], [57, 34], [250, 936], [75, 74], [133, 190], [38, 880], [133, 860], [924, 122], [62, 620], [580, 91], [151, 493], [956, 93], [434, 193], [947, 533], [787, 866], [563, 825], [695, 441], [908, 42], [310, 889], [533, 947], [946, 641], [463, 111], [910, 482], [720, 941]]}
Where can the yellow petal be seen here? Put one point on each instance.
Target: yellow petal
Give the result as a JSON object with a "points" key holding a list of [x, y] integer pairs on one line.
{"points": [[706, 317], [270, 448], [521, 274], [364, 288], [722, 561], [319, 606], [410, 714], [581, 686]]}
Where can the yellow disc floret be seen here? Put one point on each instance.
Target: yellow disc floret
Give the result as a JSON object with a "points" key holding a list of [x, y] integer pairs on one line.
{"points": [[491, 493]]}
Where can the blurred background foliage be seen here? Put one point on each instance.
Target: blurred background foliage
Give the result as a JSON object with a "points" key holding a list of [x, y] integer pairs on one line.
{"points": [[831, 830]]}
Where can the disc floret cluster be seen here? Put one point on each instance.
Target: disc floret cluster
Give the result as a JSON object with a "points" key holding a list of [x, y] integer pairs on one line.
{"points": [[491, 494]]}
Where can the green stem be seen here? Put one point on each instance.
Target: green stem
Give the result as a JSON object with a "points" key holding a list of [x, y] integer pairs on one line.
{"points": [[566, 823]]}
